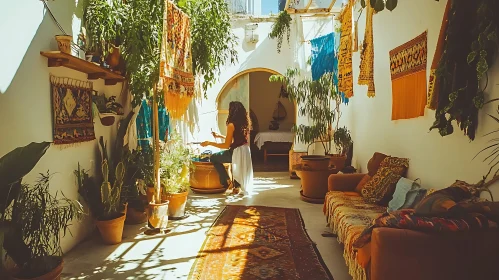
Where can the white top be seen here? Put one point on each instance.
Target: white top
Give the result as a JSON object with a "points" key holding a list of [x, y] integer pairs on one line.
{"points": [[274, 136]]}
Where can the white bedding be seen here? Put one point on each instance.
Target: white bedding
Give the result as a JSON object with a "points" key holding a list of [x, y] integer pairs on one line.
{"points": [[273, 136]]}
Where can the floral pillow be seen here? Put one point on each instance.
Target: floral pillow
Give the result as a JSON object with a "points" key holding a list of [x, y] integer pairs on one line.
{"points": [[380, 188]]}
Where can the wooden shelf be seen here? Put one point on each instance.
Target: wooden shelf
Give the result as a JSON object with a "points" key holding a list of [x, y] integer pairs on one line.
{"points": [[94, 72]]}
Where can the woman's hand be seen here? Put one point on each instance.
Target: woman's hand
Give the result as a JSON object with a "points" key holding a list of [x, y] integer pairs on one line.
{"points": [[215, 134], [205, 143]]}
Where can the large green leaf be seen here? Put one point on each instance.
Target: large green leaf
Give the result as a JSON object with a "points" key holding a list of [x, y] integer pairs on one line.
{"points": [[379, 5], [14, 166], [391, 4]]}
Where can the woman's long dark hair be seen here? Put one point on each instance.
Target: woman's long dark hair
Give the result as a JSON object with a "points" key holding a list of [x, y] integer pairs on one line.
{"points": [[239, 117]]}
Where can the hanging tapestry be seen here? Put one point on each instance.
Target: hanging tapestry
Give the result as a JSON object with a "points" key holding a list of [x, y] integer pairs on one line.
{"points": [[366, 76], [408, 71], [433, 85], [345, 78], [177, 80], [72, 110], [324, 59]]}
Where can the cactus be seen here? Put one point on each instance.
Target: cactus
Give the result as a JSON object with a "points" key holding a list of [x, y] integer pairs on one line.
{"points": [[105, 188]]}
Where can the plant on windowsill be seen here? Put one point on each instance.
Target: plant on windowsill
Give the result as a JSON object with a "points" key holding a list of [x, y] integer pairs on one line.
{"points": [[175, 166], [281, 26]]}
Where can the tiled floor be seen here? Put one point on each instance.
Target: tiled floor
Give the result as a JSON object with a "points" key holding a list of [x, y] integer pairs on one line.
{"points": [[171, 256]]}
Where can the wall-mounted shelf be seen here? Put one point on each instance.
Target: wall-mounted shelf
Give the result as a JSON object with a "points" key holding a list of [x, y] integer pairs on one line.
{"points": [[57, 59]]}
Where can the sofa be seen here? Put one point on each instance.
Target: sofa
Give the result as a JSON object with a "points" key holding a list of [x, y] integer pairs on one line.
{"points": [[395, 254]]}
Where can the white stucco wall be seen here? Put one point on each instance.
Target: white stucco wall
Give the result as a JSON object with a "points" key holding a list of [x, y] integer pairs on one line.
{"points": [[25, 105], [437, 160]]}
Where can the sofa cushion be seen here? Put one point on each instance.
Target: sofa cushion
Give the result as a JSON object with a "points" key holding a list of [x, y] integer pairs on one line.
{"points": [[362, 183], [381, 187], [374, 162], [440, 202]]}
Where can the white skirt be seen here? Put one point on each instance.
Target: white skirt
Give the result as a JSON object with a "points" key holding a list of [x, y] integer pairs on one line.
{"points": [[242, 168]]}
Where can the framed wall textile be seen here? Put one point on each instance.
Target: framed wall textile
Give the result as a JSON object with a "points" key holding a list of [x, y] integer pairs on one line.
{"points": [[408, 73], [71, 110], [176, 77]]}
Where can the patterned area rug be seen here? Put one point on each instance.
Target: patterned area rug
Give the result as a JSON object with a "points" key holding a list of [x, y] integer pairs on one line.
{"points": [[255, 242]]}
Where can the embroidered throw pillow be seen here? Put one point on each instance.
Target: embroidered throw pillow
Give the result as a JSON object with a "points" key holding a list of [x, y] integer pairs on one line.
{"points": [[380, 188], [362, 183]]}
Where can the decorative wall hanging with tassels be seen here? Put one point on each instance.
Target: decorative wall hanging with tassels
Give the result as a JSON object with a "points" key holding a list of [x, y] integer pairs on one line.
{"points": [[176, 77], [72, 110]]}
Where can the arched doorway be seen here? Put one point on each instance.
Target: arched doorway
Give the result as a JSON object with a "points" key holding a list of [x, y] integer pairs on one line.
{"points": [[253, 88]]}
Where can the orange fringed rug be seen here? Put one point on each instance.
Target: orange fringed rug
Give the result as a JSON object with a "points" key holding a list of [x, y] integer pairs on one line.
{"points": [[255, 242], [408, 71]]}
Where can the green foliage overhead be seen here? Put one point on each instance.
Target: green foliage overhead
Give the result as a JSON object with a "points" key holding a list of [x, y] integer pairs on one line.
{"points": [[281, 26], [212, 40], [138, 26], [316, 100]]}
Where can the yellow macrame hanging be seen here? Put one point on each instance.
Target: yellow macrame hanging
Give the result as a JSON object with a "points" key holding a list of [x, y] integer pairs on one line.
{"points": [[176, 78], [366, 76]]}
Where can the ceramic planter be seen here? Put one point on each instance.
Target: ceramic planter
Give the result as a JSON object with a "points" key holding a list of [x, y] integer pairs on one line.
{"points": [[55, 274], [314, 184], [64, 43], [204, 178], [313, 162], [337, 162], [112, 230], [157, 215], [177, 202]]}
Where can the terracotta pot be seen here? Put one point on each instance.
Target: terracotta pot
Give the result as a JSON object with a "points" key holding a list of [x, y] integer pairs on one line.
{"points": [[176, 208], [157, 215], [134, 216], [111, 231], [337, 162], [64, 43], [107, 119], [314, 163], [55, 274], [204, 178], [113, 58], [314, 183]]}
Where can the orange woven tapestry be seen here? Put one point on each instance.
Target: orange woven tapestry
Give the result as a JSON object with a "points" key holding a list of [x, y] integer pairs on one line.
{"points": [[408, 71], [366, 76], [176, 76], [345, 78]]}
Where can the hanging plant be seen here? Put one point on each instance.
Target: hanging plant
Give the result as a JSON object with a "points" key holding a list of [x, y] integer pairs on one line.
{"points": [[471, 45], [212, 40], [380, 5], [281, 25]]}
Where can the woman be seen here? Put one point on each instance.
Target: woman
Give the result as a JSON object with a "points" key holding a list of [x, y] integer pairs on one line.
{"points": [[234, 147]]}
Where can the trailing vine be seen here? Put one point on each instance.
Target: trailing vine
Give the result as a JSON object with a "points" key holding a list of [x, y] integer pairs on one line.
{"points": [[281, 25], [470, 47], [380, 5]]}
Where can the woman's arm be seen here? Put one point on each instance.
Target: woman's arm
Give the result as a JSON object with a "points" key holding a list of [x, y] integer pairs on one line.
{"points": [[227, 142], [216, 135]]}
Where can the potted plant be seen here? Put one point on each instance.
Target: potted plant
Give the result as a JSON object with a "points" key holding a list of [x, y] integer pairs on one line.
{"points": [[175, 164], [135, 177], [38, 218], [343, 142], [319, 101]]}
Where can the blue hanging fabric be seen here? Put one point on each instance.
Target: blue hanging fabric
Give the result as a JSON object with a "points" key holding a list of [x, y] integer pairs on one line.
{"points": [[324, 58], [144, 131], [164, 122]]}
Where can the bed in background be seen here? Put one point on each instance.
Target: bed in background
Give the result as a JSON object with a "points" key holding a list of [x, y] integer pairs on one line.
{"points": [[274, 143]]}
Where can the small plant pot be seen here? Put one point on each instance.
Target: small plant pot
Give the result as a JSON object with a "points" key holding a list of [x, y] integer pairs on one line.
{"points": [[177, 202], [55, 274], [64, 43], [107, 119], [111, 231], [314, 162], [113, 58], [157, 215], [337, 161], [135, 217]]}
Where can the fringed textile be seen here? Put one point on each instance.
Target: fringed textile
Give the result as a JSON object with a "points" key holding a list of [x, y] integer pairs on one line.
{"points": [[177, 80], [348, 215], [366, 76], [72, 110], [408, 71], [345, 78], [433, 85], [144, 128]]}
